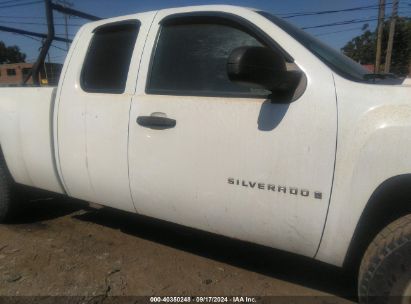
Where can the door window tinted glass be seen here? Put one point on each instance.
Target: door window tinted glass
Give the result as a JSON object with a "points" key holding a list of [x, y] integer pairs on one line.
{"points": [[108, 58], [191, 59]]}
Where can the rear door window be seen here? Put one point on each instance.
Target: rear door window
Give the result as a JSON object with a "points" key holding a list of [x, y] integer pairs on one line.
{"points": [[108, 58]]}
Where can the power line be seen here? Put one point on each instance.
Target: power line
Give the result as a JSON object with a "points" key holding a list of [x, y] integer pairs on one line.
{"points": [[292, 15], [52, 58], [62, 34], [44, 35], [73, 12], [345, 22], [65, 3], [50, 36], [37, 23], [10, 1], [335, 32], [21, 4], [339, 23], [24, 32], [359, 8], [27, 36], [28, 17]]}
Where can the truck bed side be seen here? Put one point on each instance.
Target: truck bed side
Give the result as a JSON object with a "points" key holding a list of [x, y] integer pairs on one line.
{"points": [[26, 136]]}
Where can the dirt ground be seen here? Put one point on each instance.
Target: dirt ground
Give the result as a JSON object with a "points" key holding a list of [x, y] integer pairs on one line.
{"points": [[62, 247]]}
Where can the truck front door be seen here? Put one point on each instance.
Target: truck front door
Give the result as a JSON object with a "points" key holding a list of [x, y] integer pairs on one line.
{"points": [[207, 153]]}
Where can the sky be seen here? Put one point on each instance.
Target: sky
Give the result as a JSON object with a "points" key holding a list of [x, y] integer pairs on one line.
{"points": [[30, 16]]}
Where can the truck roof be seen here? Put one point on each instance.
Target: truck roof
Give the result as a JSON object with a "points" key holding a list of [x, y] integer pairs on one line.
{"points": [[213, 7]]}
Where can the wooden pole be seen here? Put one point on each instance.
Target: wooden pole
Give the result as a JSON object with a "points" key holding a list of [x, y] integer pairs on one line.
{"points": [[391, 36], [46, 45], [381, 14]]}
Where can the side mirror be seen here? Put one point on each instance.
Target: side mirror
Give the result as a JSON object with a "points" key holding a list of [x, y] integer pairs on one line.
{"points": [[261, 67]]}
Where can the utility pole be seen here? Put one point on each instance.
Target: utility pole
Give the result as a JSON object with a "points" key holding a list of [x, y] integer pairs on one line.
{"points": [[49, 37], [46, 45], [381, 14], [65, 4], [45, 68], [391, 36]]}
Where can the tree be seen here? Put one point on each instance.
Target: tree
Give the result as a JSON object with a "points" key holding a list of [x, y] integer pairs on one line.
{"points": [[10, 54], [363, 48]]}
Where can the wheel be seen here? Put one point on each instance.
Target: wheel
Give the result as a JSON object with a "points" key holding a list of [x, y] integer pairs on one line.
{"points": [[6, 189], [385, 271]]}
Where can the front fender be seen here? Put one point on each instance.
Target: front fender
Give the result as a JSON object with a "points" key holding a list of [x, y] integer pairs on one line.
{"points": [[373, 145]]}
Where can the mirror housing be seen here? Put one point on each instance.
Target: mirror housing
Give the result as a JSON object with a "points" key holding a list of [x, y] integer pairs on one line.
{"points": [[261, 67]]}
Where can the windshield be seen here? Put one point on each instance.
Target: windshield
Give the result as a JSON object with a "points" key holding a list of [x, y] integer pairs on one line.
{"points": [[338, 62]]}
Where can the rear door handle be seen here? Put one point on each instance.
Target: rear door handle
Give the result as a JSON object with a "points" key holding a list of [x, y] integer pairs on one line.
{"points": [[156, 122]]}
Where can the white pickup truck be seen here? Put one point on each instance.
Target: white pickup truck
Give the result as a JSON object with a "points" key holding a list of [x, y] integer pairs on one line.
{"points": [[228, 120]]}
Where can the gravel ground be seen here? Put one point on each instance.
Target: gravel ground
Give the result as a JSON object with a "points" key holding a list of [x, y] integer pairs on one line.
{"points": [[62, 247]]}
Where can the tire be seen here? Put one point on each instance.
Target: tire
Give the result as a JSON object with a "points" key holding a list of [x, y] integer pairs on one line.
{"points": [[6, 192], [385, 271]]}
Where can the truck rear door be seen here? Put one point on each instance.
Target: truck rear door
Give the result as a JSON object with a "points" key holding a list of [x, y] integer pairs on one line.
{"points": [[93, 110]]}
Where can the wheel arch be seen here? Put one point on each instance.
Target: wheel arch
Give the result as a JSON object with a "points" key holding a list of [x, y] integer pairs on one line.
{"points": [[4, 164], [378, 213]]}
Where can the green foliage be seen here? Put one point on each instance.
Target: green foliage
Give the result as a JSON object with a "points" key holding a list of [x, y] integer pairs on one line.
{"points": [[363, 48], [10, 54]]}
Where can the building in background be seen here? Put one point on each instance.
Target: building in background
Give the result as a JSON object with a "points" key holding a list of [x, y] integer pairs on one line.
{"points": [[369, 67], [12, 74]]}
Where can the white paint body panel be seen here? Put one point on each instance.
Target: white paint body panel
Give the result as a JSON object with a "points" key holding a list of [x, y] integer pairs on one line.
{"points": [[26, 136], [180, 174], [374, 145], [93, 128]]}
